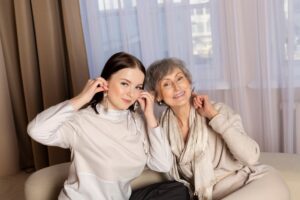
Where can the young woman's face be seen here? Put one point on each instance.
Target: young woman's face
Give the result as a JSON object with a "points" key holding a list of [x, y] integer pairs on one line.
{"points": [[124, 88], [174, 89]]}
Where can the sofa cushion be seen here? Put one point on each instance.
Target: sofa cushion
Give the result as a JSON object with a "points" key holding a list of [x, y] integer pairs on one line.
{"points": [[289, 167], [148, 177], [46, 183]]}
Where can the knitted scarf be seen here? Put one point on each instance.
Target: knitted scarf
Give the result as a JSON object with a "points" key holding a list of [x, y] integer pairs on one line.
{"points": [[192, 160]]}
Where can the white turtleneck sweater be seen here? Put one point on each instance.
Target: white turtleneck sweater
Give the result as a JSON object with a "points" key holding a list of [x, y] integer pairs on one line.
{"points": [[108, 149]]}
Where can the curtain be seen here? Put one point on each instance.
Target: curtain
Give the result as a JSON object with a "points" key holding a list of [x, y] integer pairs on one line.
{"points": [[278, 35], [243, 53], [45, 63]]}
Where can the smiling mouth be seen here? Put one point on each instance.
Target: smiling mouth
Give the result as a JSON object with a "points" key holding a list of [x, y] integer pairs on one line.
{"points": [[127, 101], [178, 95]]}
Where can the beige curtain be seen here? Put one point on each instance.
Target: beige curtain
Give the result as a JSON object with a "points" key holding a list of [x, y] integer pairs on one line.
{"points": [[45, 63]]}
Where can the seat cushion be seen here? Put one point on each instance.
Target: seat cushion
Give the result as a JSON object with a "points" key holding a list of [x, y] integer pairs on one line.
{"points": [[46, 183], [289, 167]]}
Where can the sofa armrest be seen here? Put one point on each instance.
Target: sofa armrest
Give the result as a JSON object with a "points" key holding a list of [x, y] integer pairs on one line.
{"points": [[46, 183]]}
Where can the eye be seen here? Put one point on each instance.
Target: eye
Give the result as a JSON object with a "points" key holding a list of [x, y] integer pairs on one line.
{"points": [[166, 84], [124, 84], [139, 87], [180, 78]]}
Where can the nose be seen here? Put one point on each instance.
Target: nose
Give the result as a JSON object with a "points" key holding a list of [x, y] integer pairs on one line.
{"points": [[133, 92], [130, 93], [176, 86]]}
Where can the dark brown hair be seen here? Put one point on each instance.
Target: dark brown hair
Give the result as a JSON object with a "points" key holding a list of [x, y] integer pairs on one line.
{"points": [[115, 63]]}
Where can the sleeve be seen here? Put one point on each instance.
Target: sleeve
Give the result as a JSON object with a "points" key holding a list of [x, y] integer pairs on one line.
{"points": [[159, 156], [51, 127], [229, 125]]}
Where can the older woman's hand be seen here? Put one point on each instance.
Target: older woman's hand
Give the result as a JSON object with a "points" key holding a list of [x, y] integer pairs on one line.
{"points": [[203, 106]]}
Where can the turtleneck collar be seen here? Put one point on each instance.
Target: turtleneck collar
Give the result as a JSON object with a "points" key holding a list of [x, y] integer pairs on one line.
{"points": [[112, 114]]}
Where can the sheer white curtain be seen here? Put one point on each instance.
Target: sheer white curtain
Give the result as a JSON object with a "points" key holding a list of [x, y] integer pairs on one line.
{"points": [[278, 66], [244, 53], [153, 30], [267, 53]]}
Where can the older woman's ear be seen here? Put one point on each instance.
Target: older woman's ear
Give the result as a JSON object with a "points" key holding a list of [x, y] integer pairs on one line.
{"points": [[159, 101]]}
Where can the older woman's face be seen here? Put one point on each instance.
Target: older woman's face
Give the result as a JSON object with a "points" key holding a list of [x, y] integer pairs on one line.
{"points": [[174, 89]]}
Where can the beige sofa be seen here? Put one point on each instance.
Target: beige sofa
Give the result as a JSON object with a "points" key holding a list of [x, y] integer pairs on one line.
{"points": [[46, 183]]}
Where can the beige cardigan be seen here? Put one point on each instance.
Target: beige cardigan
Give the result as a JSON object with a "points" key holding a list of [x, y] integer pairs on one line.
{"points": [[233, 153]]}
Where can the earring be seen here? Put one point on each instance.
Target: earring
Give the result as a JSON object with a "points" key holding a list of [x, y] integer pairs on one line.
{"points": [[160, 103], [135, 106], [105, 98]]}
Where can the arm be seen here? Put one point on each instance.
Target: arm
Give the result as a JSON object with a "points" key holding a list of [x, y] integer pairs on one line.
{"points": [[229, 125], [160, 156], [51, 127]]}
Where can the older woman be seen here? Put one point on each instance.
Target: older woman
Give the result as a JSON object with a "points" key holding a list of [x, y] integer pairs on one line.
{"points": [[213, 155]]}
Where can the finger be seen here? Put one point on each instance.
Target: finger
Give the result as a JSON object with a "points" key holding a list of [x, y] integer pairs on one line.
{"points": [[102, 80], [99, 83], [150, 95], [194, 94], [205, 100], [89, 83], [197, 104], [142, 103], [147, 96], [198, 101], [99, 89], [147, 93]]}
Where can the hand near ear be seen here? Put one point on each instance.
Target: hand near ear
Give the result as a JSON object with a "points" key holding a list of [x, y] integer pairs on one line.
{"points": [[146, 101], [203, 106], [92, 87]]}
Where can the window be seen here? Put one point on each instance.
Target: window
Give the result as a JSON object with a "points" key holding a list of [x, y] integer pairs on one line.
{"points": [[292, 37], [293, 32], [151, 30]]}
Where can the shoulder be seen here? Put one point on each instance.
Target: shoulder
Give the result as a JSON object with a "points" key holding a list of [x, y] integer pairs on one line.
{"points": [[82, 114]]}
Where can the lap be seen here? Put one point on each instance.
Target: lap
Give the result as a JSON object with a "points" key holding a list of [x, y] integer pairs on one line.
{"points": [[162, 191]]}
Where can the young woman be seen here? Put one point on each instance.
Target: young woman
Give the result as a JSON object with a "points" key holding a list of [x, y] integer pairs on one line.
{"points": [[213, 156], [110, 143]]}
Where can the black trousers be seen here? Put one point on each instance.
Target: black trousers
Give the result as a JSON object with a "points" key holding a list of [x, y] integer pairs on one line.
{"points": [[170, 190]]}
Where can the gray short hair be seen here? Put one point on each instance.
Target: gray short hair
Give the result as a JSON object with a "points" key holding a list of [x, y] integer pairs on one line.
{"points": [[160, 68]]}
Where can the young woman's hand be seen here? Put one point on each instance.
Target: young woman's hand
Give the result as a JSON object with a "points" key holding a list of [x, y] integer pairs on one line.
{"points": [[146, 101], [92, 87], [203, 106]]}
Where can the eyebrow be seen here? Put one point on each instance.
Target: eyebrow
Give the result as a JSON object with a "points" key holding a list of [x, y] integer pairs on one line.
{"points": [[175, 76], [124, 79]]}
